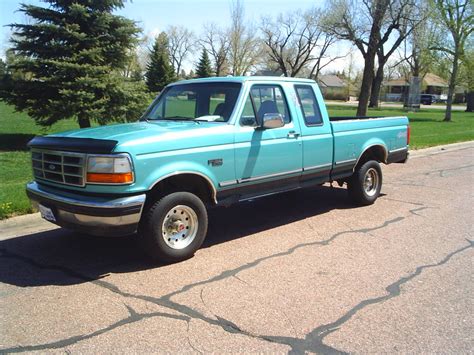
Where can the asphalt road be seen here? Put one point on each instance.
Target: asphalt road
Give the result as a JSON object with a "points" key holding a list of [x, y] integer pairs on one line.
{"points": [[301, 272]]}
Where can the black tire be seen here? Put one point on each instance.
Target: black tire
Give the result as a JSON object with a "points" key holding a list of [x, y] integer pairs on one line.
{"points": [[356, 186], [155, 239]]}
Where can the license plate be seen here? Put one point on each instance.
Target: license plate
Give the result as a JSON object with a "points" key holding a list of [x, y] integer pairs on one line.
{"points": [[47, 213]]}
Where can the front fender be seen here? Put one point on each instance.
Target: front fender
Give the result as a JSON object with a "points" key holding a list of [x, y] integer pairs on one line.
{"points": [[153, 176]]}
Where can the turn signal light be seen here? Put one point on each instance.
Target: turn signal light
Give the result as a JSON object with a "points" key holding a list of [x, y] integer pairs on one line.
{"points": [[109, 178]]}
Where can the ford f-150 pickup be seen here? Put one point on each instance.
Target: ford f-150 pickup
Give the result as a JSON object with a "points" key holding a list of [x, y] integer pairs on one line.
{"points": [[202, 143]]}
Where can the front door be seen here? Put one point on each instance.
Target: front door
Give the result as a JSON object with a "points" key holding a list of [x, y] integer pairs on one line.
{"points": [[268, 158]]}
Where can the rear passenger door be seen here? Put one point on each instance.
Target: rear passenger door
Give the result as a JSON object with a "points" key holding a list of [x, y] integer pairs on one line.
{"points": [[267, 155], [316, 134]]}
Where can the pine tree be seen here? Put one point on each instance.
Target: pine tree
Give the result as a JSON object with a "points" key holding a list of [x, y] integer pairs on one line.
{"points": [[70, 56], [3, 68], [159, 70], [204, 68]]}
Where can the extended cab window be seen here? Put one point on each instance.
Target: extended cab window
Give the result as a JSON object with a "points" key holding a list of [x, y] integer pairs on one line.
{"points": [[266, 99], [211, 102], [309, 105]]}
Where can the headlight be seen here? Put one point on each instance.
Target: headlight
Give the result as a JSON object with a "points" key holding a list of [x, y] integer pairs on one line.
{"points": [[102, 169]]}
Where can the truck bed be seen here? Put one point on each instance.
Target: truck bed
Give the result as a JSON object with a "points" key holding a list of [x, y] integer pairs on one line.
{"points": [[352, 135]]}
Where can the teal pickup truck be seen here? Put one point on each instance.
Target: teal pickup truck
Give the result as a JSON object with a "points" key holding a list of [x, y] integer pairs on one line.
{"points": [[202, 143]]}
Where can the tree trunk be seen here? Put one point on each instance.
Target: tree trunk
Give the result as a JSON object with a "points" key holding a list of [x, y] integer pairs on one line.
{"points": [[376, 87], [369, 57], [470, 101], [367, 78], [84, 121], [451, 88]]}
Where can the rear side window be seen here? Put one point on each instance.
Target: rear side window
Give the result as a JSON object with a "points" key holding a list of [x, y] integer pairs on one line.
{"points": [[308, 105]]}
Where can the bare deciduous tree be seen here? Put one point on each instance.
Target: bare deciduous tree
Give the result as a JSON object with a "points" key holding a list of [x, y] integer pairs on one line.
{"points": [[294, 40], [322, 58], [369, 25], [216, 42], [403, 17], [244, 48], [415, 51], [181, 42], [457, 19]]}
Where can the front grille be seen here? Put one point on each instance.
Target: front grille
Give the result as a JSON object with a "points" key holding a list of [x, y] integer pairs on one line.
{"points": [[60, 167]]}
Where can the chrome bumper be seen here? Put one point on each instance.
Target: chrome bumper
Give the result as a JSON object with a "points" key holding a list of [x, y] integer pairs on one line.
{"points": [[90, 214]]}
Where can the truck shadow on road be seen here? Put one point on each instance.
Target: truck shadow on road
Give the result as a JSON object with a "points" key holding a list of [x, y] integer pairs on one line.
{"points": [[62, 257]]}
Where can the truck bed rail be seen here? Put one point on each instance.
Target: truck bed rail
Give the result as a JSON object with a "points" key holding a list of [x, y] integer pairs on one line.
{"points": [[347, 118]]}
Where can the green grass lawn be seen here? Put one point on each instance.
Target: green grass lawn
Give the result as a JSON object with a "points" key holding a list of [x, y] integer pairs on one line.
{"points": [[427, 126], [16, 129]]}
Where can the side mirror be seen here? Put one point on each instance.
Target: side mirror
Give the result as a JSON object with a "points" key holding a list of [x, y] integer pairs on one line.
{"points": [[273, 120]]}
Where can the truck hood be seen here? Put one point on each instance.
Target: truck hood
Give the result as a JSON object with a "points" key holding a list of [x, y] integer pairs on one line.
{"points": [[155, 136]]}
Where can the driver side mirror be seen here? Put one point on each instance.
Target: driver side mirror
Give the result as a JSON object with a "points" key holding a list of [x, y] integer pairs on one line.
{"points": [[273, 120]]}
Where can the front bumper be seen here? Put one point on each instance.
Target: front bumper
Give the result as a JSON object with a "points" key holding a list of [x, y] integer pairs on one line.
{"points": [[90, 214]]}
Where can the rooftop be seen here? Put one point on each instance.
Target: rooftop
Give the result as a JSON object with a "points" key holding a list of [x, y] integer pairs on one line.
{"points": [[331, 81], [430, 79]]}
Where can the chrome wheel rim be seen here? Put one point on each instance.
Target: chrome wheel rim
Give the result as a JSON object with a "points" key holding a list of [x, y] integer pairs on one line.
{"points": [[179, 227], [371, 182]]}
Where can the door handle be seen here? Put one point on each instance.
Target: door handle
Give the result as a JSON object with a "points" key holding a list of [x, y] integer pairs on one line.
{"points": [[292, 135]]}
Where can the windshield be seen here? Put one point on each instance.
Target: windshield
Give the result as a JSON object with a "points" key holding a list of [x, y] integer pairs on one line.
{"points": [[210, 102]]}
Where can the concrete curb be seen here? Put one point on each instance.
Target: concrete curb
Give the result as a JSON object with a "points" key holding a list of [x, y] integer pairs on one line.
{"points": [[26, 224], [33, 223], [440, 149]]}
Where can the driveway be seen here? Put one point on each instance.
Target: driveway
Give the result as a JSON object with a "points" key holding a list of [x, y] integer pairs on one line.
{"points": [[305, 272]]}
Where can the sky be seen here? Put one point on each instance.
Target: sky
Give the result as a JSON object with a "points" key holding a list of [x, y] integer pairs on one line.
{"points": [[154, 16]]}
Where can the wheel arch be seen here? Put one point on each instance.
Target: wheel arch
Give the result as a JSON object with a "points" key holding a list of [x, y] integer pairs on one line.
{"points": [[193, 181], [376, 151]]}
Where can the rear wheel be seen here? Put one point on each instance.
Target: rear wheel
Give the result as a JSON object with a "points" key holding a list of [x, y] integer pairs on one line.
{"points": [[365, 185], [174, 227]]}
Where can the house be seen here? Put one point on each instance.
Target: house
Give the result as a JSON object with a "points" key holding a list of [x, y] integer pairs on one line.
{"points": [[396, 90], [332, 87]]}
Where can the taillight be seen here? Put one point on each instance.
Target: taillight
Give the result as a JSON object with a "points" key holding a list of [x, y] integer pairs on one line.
{"points": [[408, 135]]}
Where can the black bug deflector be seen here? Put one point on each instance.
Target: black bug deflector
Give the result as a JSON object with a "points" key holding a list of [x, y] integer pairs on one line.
{"points": [[81, 145]]}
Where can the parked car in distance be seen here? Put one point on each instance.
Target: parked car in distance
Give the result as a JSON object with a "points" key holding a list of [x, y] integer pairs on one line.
{"points": [[427, 99], [205, 143]]}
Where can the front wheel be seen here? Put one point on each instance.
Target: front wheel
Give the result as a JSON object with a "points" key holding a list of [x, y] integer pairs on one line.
{"points": [[365, 185], [174, 227]]}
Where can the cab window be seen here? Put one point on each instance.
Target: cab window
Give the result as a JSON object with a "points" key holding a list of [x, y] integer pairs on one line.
{"points": [[261, 100], [308, 105]]}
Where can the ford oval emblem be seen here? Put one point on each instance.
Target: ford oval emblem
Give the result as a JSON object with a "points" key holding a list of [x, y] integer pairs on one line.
{"points": [[52, 167]]}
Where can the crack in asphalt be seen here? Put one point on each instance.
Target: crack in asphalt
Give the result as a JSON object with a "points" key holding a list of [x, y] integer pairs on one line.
{"points": [[132, 318], [415, 210], [442, 171], [413, 183], [314, 340], [408, 202], [187, 313], [189, 340]]}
